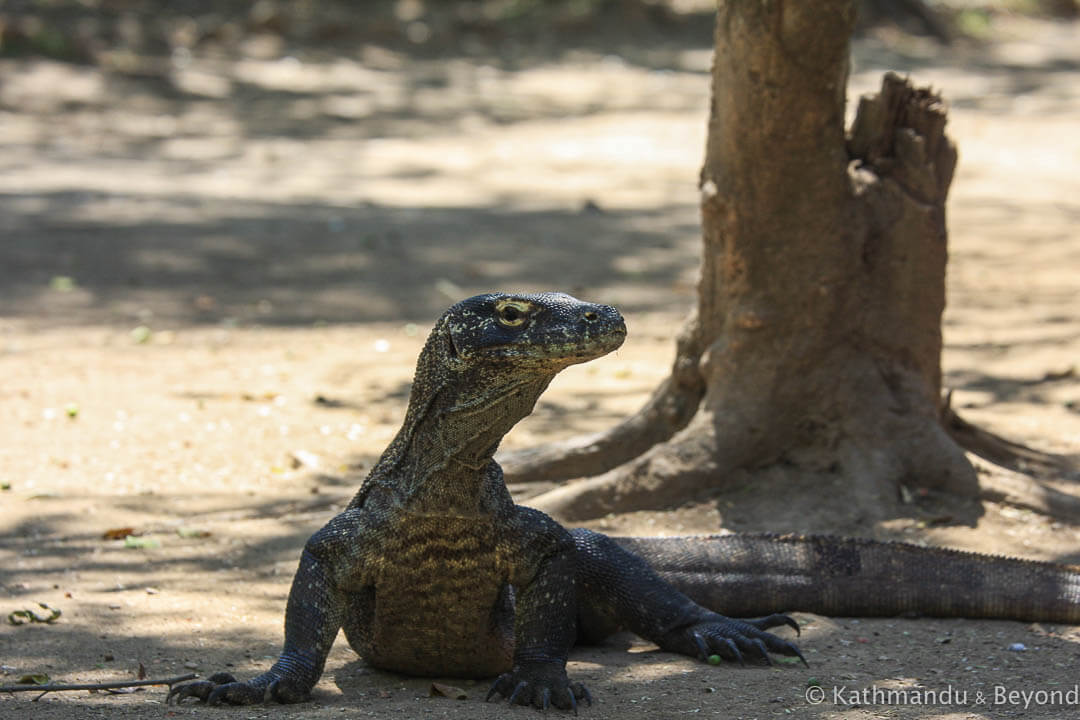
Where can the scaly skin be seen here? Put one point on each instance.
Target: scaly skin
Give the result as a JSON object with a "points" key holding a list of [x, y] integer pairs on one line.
{"points": [[433, 570], [756, 573]]}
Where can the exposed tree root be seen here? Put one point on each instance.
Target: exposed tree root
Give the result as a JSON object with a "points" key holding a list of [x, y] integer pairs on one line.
{"points": [[700, 459], [925, 455], [1020, 487], [1006, 453], [862, 435], [670, 408], [1022, 491], [657, 478]]}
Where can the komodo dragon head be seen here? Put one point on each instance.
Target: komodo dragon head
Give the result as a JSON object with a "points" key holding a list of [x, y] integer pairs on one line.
{"points": [[483, 367], [540, 333], [492, 355]]}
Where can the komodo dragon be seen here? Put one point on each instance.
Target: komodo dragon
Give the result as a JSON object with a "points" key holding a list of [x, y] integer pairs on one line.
{"points": [[433, 570]]}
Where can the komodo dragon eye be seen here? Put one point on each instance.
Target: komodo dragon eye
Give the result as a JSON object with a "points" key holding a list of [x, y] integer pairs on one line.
{"points": [[511, 313]]}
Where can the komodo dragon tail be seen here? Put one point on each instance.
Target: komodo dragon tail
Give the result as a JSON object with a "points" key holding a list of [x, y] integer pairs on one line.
{"points": [[745, 575]]}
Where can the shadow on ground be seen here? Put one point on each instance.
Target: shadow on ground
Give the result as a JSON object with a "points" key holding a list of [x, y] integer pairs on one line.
{"points": [[299, 264]]}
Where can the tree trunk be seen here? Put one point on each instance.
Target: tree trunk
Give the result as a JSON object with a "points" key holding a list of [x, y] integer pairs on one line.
{"points": [[817, 337]]}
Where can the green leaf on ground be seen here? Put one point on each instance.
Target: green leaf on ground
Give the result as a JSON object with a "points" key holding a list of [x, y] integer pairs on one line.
{"points": [[23, 617], [34, 679]]}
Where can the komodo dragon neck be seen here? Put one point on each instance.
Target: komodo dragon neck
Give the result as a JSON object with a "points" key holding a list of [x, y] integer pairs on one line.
{"points": [[447, 444], [460, 409]]}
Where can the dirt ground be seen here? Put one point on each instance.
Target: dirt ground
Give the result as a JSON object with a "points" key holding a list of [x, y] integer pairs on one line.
{"points": [[213, 288]]}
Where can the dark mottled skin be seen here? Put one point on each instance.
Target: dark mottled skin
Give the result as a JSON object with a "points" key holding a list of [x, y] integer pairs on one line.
{"points": [[749, 574], [433, 570]]}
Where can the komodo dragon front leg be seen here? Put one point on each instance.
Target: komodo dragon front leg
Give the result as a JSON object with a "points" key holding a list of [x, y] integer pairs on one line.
{"points": [[332, 562], [619, 591], [544, 569]]}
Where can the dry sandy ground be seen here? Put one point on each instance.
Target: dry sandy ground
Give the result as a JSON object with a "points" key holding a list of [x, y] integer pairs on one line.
{"points": [[285, 232]]}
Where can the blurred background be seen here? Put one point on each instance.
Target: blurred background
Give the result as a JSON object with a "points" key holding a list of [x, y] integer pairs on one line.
{"points": [[183, 182], [317, 161]]}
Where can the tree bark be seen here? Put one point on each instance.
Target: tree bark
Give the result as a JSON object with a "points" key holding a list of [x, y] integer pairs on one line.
{"points": [[818, 329]]}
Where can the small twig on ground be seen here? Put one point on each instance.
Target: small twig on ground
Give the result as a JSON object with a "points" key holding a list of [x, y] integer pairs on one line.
{"points": [[52, 687]]}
